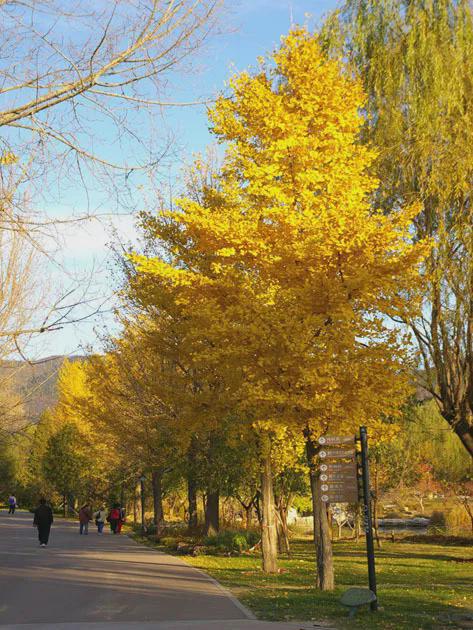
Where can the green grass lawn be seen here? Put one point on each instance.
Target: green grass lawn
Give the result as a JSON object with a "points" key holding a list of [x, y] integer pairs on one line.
{"points": [[419, 585]]}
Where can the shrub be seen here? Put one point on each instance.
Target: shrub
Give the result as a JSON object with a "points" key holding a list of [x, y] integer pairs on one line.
{"points": [[458, 520], [169, 541], [453, 521], [240, 543], [150, 529], [438, 520], [228, 540]]}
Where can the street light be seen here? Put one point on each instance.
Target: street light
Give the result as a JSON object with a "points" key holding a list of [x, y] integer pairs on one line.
{"points": [[142, 489]]}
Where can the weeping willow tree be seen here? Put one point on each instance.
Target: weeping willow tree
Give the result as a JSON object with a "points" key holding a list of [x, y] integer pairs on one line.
{"points": [[416, 61]]}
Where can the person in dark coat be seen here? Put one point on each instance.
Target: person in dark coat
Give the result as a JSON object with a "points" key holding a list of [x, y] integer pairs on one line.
{"points": [[43, 518], [114, 518]]}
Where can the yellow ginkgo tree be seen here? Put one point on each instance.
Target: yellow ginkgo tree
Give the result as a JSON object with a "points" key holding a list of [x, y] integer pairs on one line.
{"points": [[283, 270]]}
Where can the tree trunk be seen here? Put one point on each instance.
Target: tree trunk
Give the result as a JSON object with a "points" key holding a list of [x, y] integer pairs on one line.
{"points": [[248, 510], [325, 580], [421, 504], [192, 499], [464, 431], [136, 513], [283, 529], [269, 537], [158, 513], [330, 522], [64, 506], [257, 504], [212, 512], [143, 506], [192, 488]]}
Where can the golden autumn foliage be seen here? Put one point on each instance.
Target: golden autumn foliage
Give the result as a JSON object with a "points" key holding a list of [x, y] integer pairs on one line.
{"points": [[282, 271], [72, 420], [260, 312]]}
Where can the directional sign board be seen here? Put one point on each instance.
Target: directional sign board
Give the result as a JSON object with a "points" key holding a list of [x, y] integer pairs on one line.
{"points": [[332, 440], [338, 467], [338, 470], [337, 453], [338, 486], [341, 497], [338, 479]]}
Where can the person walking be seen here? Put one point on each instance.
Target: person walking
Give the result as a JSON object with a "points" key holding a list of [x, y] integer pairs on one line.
{"points": [[100, 518], [114, 518], [121, 520], [85, 516], [43, 519], [11, 504]]}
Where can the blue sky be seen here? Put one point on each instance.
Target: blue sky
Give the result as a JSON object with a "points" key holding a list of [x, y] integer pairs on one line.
{"points": [[250, 28]]}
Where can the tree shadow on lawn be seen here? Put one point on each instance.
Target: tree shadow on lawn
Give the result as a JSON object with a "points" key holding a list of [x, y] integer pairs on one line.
{"points": [[410, 609], [407, 555], [295, 579], [403, 609]]}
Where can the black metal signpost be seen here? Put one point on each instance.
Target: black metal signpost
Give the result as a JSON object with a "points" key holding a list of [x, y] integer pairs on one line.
{"points": [[339, 482], [367, 514]]}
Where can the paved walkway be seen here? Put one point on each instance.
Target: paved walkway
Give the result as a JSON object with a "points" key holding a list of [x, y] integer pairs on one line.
{"points": [[107, 582]]}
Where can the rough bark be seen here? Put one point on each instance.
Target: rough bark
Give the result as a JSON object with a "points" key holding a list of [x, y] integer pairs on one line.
{"points": [[135, 508], [143, 507], [248, 515], [465, 432], [325, 579], [257, 504], [269, 537], [136, 499], [446, 344], [158, 512], [212, 512], [283, 529], [192, 502], [192, 486], [248, 508]]}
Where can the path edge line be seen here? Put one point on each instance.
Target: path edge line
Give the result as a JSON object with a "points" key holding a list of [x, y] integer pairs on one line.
{"points": [[246, 611]]}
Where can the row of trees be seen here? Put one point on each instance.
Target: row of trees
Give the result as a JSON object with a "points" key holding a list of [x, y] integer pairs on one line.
{"points": [[55, 459], [254, 320], [270, 304]]}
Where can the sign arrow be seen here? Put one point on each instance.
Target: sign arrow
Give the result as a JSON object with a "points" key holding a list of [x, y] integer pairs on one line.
{"points": [[340, 497], [342, 467], [337, 453], [328, 440]]}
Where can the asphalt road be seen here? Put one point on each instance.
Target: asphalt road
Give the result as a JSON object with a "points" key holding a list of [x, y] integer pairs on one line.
{"points": [[107, 583], [99, 579]]}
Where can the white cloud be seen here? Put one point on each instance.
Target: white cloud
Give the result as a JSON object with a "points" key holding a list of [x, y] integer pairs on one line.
{"points": [[84, 241]]}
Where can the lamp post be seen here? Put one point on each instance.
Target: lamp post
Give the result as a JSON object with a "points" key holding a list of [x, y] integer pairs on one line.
{"points": [[142, 490]]}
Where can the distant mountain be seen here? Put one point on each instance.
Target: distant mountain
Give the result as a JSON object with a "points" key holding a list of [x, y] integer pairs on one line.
{"points": [[35, 384]]}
